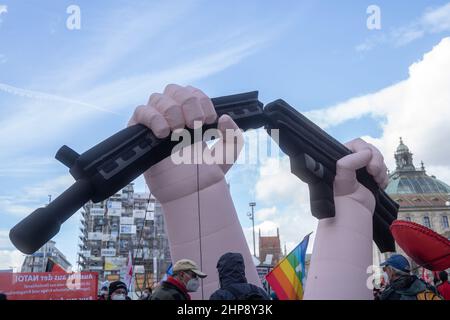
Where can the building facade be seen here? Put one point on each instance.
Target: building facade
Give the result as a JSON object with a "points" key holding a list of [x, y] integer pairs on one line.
{"points": [[423, 198], [128, 222], [38, 261], [270, 249]]}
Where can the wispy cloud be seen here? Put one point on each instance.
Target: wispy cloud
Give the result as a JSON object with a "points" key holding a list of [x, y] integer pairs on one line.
{"points": [[121, 33], [124, 93], [3, 9], [433, 20], [29, 198], [26, 166], [36, 95]]}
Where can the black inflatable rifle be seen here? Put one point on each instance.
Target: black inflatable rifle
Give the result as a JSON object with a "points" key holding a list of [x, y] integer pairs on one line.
{"points": [[106, 168]]}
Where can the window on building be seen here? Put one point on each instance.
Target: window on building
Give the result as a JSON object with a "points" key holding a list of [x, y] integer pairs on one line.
{"points": [[426, 222], [445, 221]]}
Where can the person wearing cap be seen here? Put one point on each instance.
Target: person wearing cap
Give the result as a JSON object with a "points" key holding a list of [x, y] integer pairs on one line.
{"points": [[184, 279], [118, 291], [401, 284]]}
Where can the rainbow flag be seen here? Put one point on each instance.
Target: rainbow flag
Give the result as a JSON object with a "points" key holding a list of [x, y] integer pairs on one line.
{"points": [[287, 277]]}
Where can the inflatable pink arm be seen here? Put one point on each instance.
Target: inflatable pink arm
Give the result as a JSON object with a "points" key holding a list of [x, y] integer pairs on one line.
{"points": [[343, 245], [199, 214]]}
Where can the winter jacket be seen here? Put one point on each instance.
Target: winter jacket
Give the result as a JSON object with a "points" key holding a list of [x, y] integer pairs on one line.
{"points": [[171, 289], [406, 288]]}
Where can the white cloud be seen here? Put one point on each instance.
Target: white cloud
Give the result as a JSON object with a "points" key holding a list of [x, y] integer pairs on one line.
{"points": [[5, 243], [11, 259], [433, 20], [52, 187], [265, 213], [277, 182], [437, 20], [416, 109], [11, 206], [285, 205]]}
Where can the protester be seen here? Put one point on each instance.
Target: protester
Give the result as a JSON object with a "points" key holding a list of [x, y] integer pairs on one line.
{"points": [[118, 291], [185, 278], [444, 287], [233, 283], [103, 293], [146, 295], [402, 285]]}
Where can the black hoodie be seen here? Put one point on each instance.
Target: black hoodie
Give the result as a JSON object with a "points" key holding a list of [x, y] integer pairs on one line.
{"points": [[233, 283]]}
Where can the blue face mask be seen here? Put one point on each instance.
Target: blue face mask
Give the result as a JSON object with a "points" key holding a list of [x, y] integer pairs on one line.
{"points": [[193, 285]]}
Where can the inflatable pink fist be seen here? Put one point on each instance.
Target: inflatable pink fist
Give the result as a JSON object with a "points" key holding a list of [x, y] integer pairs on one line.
{"points": [[200, 217], [343, 245]]}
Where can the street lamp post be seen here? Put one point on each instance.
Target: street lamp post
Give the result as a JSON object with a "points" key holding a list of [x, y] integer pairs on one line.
{"points": [[252, 217]]}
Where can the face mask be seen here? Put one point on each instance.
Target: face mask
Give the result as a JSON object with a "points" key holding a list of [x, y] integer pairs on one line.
{"points": [[118, 297], [193, 285], [104, 293]]}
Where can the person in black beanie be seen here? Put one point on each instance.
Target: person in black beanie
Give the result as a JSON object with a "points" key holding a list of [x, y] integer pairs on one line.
{"points": [[118, 291]]}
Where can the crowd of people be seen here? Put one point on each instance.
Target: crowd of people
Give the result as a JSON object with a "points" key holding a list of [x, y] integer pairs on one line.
{"points": [[400, 283], [185, 278]]}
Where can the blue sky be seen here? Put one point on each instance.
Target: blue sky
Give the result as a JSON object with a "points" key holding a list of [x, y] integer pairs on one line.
{"points": [[77, 87]]}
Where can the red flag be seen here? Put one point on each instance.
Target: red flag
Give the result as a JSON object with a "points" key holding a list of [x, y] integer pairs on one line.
{"points": [[129, 274]]}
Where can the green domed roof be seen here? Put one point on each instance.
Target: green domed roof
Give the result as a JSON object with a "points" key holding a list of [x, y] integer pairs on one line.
{"points": [[415, 183], [408, 180]]}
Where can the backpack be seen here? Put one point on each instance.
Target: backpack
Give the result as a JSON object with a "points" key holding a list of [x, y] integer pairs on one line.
{"points": [[254, 294]]}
